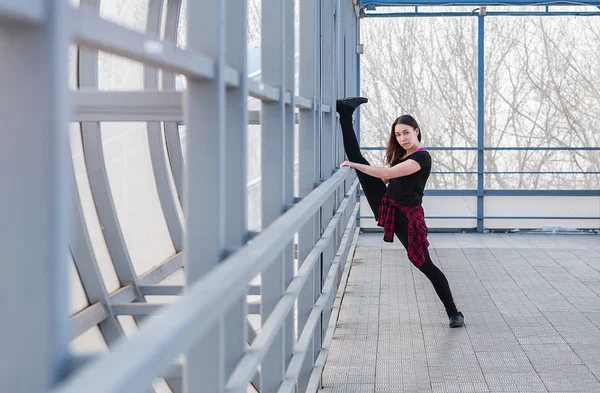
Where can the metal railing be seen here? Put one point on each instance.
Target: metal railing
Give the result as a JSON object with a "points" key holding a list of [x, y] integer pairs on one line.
{"points": [[482, 192], [307, 235]]}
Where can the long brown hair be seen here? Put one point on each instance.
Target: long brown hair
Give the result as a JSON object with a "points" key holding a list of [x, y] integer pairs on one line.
{"points": [[394, 151]]}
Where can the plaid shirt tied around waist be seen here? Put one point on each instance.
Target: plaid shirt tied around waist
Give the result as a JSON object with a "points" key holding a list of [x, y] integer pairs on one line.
{"points": [[417, 229]]}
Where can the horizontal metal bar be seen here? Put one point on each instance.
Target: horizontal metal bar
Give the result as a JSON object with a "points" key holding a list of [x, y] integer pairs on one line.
{"points": [[97, 105], [287, 98], [161, 290], [303, 103], [382, 148], [152, 308], [513, 173], [262, 91], [136, 308], [133, 364], [273, 324], [442, 193], [325, 108], [436, 217], [162, 271], [254, 118], [564, 193], [125, 294], [540, 218], [467, 14], [253, 289], [502, 218], [91, 31], [176, 290], [87, 318], [28, 11], [541, 192], [478, 3], [105, 106], [254, 308]]}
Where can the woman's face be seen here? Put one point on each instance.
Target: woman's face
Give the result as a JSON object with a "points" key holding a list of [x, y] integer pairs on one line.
{"points": [[406, 135]]}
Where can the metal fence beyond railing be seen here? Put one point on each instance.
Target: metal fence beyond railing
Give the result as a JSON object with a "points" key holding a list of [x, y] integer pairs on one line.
{"points": [[481, 192]]}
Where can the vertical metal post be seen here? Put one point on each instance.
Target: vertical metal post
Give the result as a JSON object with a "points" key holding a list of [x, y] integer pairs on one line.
{"points": [[235, 195], [480, 117], [357, 117], [204, 183], [273, 170], [317, 276], [308, 165], [35, 201], [327, 75], [289, 63]]}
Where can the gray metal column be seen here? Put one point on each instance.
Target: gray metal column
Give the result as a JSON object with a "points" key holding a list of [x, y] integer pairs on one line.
{"points": [[289, 31], [35, 201], [318, 228], [480, 118], [308, 168], [327, 139], [160, 166], [204, 182], [273, 177], [236, 151]]}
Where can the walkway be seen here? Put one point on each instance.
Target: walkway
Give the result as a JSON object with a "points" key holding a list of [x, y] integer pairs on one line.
{"points": [[531, 305]]}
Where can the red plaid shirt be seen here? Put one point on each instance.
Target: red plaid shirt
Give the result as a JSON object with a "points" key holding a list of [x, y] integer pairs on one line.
{"points": [[417, 229]]}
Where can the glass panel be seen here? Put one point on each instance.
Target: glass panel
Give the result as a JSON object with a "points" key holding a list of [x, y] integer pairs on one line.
{"points": [[131, 178], [254, 178], [89, 342], [78, 297], [128, 323], [119, 73], [73, 66], [182, 27], [130, 13]]}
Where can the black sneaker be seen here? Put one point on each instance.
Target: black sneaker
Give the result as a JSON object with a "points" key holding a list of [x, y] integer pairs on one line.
{"points": [[346, 106], [457, 320]]}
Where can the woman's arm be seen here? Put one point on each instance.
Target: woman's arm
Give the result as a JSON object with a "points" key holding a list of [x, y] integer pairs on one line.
{"points": [[405, 168]]}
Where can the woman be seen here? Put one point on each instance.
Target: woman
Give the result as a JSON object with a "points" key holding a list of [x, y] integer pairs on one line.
{"points": [[397, 206]]}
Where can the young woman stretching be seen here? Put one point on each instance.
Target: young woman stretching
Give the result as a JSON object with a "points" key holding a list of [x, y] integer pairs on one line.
{"points": [[397, 206]]}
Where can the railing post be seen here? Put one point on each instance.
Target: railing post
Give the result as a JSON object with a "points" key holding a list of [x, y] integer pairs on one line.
{"points": [[274, 150], [480, 118], [35, 200], [309, 165], [205, 184], [235, 181]]}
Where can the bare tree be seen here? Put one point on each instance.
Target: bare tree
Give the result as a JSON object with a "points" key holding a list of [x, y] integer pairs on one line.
{"points": [[539, 92]]}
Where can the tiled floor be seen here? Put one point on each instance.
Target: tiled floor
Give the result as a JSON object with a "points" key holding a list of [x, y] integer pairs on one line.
{"points": [[532, 312]]}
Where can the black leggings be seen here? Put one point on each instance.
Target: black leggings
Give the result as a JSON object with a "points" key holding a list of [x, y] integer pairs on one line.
{"points": [[374, 189]]}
